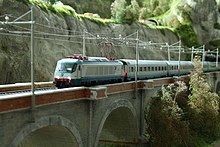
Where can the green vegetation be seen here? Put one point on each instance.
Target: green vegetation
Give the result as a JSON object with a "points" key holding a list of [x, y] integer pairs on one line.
{"points": [[215, 43], [217, 26], [187, 35], [124, 13], [97, 20], [185, 115], [129, 11], [152, 8], [59, 9]]}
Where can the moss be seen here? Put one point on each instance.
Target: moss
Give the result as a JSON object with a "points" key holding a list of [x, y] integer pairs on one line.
{"points": [[60, 10], [64, 10], [187, 35], [217, 26], [215, 43], [97, 20], [26, 2], [43, 5]]}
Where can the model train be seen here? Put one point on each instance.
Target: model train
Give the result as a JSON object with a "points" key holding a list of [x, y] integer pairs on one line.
{"points": [[80, 71]]}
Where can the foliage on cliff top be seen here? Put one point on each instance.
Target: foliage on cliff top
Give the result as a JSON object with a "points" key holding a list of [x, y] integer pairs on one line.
{"points": [[122, 12], [129, 11], [57, 8]]}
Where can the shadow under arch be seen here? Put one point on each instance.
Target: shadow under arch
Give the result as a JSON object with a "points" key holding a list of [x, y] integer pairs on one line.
{"points": [[125, 107], [56, 123]]}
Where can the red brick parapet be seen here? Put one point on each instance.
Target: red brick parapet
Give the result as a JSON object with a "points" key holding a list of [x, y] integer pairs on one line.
{"points": [[23, 101]]}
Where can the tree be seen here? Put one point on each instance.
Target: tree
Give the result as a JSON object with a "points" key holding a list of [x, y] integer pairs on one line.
{"points": [[203, 103], [124, 13], [167, 126], [118, 10]]}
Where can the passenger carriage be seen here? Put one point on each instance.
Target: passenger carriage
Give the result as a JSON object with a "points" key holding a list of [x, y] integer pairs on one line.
{"points": [[185, 67], [212, 66], [146, 68]]}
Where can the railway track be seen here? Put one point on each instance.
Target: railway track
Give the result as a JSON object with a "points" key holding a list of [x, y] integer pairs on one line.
{"points": [[17, 88]]}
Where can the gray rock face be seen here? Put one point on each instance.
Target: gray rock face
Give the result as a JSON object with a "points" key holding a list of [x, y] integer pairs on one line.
{"points": [[204, 15], [57, 37]]}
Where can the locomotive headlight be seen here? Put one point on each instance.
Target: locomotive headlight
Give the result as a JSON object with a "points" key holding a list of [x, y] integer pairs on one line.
{"points": [[69, 79], [56, 77]]}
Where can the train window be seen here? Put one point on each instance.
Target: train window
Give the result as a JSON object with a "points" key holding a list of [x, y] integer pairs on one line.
{"points": [[162, 68], [155, 68], [152, 68], [74, 67], [148, 68], [145, 68], [159, 68], [132, 69], [140, 68]]}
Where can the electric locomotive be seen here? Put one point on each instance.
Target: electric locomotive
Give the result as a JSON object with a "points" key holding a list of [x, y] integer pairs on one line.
{"points": [[78, 71]]}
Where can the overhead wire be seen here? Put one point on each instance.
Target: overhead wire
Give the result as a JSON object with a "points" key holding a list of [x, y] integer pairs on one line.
{"points": [[121, 41]]}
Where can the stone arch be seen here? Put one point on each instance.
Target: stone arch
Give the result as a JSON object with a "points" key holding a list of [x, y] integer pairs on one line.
{"points": [[217, 87], [49, 121], [124, 104]]}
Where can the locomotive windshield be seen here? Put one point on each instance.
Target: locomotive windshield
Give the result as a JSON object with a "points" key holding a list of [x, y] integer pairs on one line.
{"points": [[68, 67]]}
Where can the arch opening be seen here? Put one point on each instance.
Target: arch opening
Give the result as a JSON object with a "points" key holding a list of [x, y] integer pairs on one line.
{"points": [[49, 136], [120, 127]]}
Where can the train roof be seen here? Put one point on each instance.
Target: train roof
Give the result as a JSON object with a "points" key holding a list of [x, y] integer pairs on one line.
{"points": [[91, 60], [98, 59], [140, 62], [181, 62], [68, 60]]}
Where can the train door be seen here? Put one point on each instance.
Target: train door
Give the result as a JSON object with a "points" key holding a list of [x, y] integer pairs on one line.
{"points": [[79, 71]]}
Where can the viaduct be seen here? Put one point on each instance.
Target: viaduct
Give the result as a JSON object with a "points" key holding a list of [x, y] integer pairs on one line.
{"points": [[81, 116]]}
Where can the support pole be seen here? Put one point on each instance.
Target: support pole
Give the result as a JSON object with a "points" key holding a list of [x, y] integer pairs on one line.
{"points": [[217, 58], [84, 49], [168, 51], [192, 53], [32, 61], [203, 55], [179, 57], [136, 65]]}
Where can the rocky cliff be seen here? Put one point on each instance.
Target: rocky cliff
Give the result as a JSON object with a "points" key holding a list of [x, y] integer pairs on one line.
{"points": [[57, 37]]}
